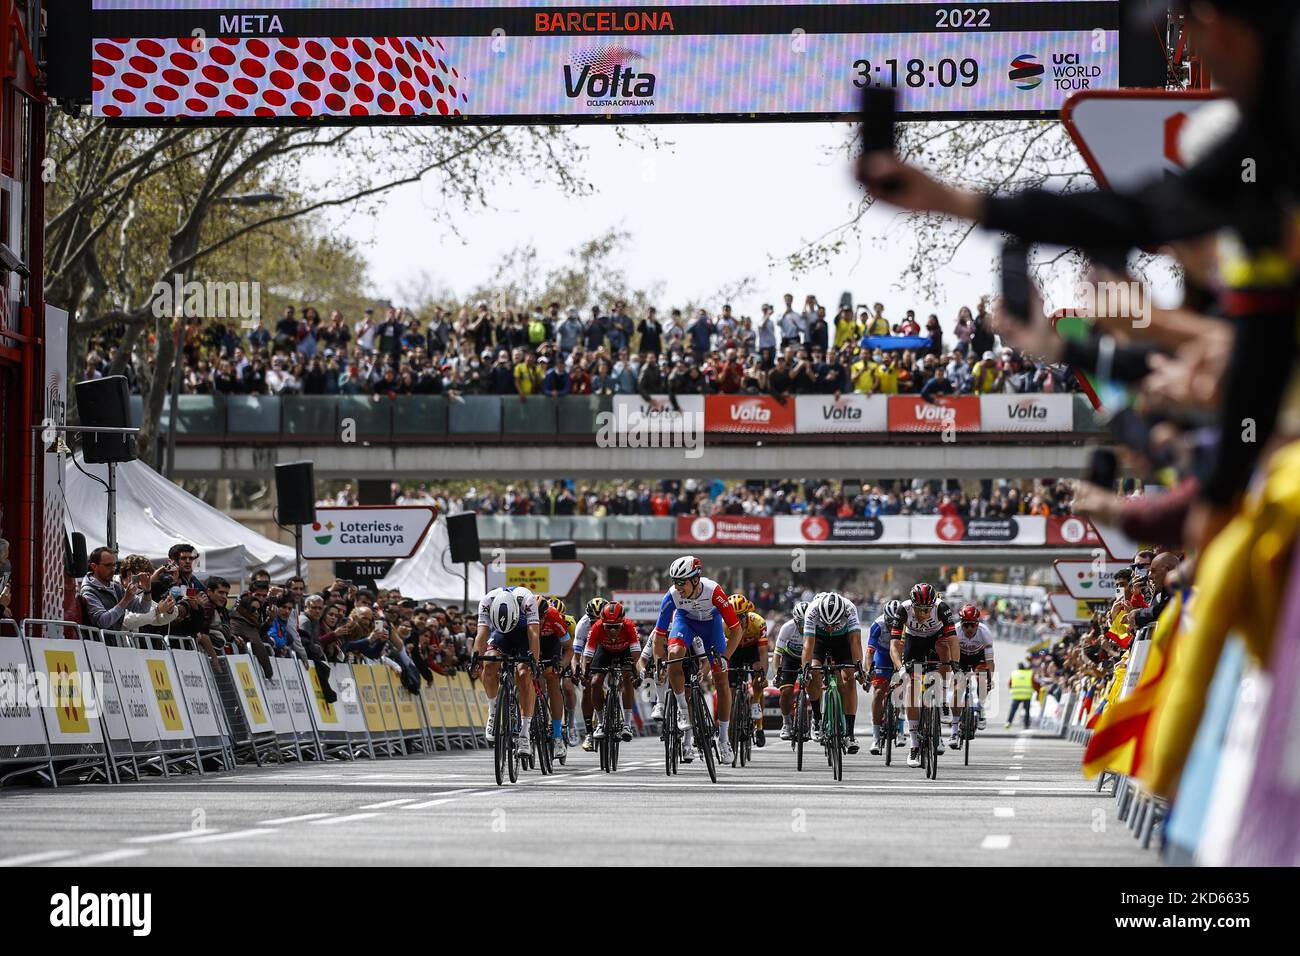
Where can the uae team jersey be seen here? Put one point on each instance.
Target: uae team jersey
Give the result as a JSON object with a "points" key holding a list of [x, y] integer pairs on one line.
{"points": [[979, 642], [941, 622]]}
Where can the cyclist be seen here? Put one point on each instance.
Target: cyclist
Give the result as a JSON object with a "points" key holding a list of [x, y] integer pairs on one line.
{"points": [[591, 614], [926, 626], [789, 652], [696, 606], [612, 639], [752, 652], [832, 635], [508, 624], [975, 644], [882, 669], [557, 652]]}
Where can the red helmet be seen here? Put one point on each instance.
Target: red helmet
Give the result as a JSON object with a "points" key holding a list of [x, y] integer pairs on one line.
{"points": [[969, 614], [612, 613], [923, 595]]}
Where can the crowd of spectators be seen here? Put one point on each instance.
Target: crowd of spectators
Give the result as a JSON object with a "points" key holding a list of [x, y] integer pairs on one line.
{"points": [[474, 351], [342, 623], [671, 497]]}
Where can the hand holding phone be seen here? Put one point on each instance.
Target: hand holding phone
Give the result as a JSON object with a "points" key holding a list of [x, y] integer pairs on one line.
{"points": [[878, 115], [1103, 468], [1015, 281]]}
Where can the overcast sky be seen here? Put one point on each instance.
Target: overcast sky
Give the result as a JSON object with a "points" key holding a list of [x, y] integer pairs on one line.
{"points": [[724, 201]]}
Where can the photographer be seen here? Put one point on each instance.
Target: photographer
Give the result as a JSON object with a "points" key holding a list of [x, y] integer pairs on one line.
{"points": [[145, 613], [105, 600]]}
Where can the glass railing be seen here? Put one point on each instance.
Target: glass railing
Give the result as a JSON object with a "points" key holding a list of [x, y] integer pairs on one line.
{"points": [[312, 419]]}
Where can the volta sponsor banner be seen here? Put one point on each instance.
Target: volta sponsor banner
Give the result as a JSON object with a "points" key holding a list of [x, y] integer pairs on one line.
{"points": [[1026, 413], [724, 529], [1089, 580], [748, 413], [393, 531], [848, 413], [1071, 532], [815, 529], [909, 413], [632, 412]]}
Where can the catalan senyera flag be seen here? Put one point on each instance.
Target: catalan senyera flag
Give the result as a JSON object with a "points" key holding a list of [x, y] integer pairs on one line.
{"points": [[1240, 584], [1117, 742]]}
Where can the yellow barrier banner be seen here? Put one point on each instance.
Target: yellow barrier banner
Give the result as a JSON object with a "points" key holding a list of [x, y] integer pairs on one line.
{"points": [[364, 677], [325, 711], [408, 718], [474, 695], [460, 699], [387, 700], [429, 699], [251, 696], [63, 673], [451, 716], [169, 708]]}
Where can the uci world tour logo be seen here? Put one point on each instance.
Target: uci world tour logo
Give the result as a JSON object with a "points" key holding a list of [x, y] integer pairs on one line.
{"points": [[1026, 72], [605, 76]]}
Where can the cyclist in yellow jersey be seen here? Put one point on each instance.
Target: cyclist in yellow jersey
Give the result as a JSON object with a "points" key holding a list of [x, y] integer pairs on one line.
{"points": [[751, 652]]}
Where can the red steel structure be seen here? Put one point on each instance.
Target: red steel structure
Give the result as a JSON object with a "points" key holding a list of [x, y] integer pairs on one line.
{"points": [[22, 309]]}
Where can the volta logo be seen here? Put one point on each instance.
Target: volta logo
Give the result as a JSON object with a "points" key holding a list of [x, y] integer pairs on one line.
{"points": [[1026, 72], [602, 74], [753, 412], [324, 534]]}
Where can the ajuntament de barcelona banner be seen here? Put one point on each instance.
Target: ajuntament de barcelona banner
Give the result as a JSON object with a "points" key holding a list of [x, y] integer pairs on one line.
{"points": [[455, 60]]}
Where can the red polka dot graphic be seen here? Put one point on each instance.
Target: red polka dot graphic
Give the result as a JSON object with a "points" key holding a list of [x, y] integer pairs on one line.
{"points": [[283, 76]]}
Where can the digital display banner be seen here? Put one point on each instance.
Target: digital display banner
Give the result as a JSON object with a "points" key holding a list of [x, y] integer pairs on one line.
{"points": [[532, 61]]}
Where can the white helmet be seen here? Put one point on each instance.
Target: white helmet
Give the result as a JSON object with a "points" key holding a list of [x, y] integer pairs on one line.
{"points": [[684, 568], [832, 610], [797, 612], [504, 612]]}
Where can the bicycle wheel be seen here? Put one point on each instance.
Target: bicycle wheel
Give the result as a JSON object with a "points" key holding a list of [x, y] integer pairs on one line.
{"points": [[833, 729], [800, 726], [501, 731], [610, 722], [890, 719], [668, 735], [513, 762], [737, 726], [927, 748], [699, 720], [936, 741], [968, 731]]}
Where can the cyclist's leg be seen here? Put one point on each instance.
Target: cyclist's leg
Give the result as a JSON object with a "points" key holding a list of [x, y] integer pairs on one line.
{"points": [[555, 698], [719, 638]]}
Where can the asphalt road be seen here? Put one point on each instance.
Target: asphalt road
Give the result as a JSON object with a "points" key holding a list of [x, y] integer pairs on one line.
{"points": [[1021, 801]]}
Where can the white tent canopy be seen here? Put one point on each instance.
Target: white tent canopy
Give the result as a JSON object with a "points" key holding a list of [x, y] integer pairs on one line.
{"points": [[429, 575], [153, 514]]}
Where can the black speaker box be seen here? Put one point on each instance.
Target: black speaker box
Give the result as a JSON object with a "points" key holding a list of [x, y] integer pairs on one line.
{"points": [[105, 403], [564, 551], [462, 529], [295, 489]]}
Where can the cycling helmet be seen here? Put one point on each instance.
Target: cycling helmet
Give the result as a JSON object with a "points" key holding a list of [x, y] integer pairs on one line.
{"points": [[893, 610], [797, 612], [504, 611], [969, 614], [593, 607], [684, 568], [923, 595], [612, 613], [741, 604], [833, 610], [557, 603]]}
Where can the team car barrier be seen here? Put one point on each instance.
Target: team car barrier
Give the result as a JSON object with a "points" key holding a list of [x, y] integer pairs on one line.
{"points": [[79, 703]]}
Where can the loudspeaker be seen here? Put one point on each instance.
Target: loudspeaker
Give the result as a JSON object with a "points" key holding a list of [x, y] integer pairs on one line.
{"points": [[616, 578], [74, 555], [295, 489], [105, 403], [462, 530], [564, 551]]}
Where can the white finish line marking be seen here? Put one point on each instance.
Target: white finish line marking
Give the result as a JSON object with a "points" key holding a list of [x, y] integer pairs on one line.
{"points": [[297, 819], [163, 837], [1014, 777], [110, 857], [998, 841], [232, 835], [41, 857], [448, 797], [1004, 811], [330, 821], [1006, 793], [387, 803]]}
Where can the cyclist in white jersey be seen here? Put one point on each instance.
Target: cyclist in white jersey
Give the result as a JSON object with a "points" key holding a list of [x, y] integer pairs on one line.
{"points": [[927, 630], [789, 651], [508, 624], [975, 644]]}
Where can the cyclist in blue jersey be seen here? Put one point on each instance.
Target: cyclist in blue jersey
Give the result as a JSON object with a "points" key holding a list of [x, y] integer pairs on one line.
{"points": [[882, 670], [509, 625], [697, 607]]}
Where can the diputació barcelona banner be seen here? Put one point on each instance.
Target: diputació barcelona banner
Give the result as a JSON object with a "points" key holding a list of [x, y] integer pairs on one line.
{"points": [[443, 60]]}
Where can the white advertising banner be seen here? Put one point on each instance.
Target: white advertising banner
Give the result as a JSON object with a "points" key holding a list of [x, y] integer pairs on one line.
{"points": [[199, 698], [633, 413], [291, 680], [276, 701], [1020, 531], [376, 532], [1089, 580], [133, 686], [851, 412], [641, 606], [1070, 610], [1026, 413], [110, 701], [540, 577], [814, 529], [20, 709]]}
